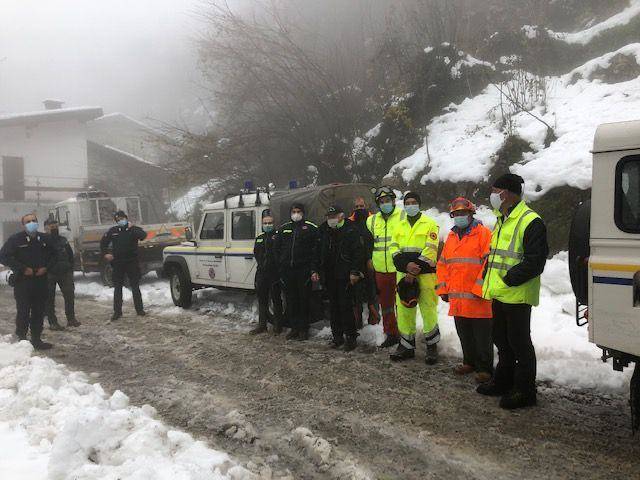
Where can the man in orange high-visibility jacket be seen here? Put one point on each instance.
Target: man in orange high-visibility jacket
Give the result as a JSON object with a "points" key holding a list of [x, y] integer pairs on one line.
{"points": [[460, 264]]}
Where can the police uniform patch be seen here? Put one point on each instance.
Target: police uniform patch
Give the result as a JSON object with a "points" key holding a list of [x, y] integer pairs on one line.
{"points": [[433, 236]]}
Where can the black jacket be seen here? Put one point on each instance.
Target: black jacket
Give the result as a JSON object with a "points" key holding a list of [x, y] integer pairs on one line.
{"points": [[342, 252], [536, 251], [124, 242], [296, 246], [21, 251], [263, 251], [63, 255], [367, 238]]}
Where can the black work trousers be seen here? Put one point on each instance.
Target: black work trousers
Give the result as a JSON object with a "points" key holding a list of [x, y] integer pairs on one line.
{"points": [[130, 270], [341, 303], [67, 287], [477, 342], [297, 288], [31, 296], [269, 292], [516, 366]]}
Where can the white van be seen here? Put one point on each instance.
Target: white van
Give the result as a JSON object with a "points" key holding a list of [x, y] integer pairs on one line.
{"points": [[221, 252], [605, 251]]}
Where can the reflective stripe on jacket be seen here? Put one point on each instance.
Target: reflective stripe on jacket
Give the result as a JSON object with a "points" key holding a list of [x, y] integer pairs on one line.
{"points": [[459, 267], [420, 240], [382, 231], [507, 249]]}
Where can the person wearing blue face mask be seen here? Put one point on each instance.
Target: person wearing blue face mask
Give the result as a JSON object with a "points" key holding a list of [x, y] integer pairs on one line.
{"points": [[30, 255], [123, 239], [267, 279]]}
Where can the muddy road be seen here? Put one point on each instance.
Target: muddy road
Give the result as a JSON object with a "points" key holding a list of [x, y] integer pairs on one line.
{"points": [[303, 411]]}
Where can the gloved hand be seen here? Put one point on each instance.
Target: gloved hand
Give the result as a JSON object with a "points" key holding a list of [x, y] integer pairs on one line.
{"points": [[445, 298]]}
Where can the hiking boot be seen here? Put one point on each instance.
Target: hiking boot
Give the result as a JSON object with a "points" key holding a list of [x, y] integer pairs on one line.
{"points": [[390, 341], [40, 345], [73, 322], [303, 335], [336, 342], [517, 399], [261, 328], [277, 329], [351, 343], [402, 353], [482, 377], [56, 326], [141, 313], [292, 335], [431, 357], [116, 316], [491, 389], [464, 369]]}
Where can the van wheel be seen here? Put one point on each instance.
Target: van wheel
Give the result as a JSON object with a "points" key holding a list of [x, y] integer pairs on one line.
{"points": [[181, 288], [106, 274]]}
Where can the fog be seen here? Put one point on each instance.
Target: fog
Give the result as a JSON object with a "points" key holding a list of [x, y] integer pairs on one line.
{"points": [[131, 56]]}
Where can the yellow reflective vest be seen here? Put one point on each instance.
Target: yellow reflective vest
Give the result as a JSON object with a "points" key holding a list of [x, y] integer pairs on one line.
{"points": [[507, 250], [382, 230], [421, 238]]}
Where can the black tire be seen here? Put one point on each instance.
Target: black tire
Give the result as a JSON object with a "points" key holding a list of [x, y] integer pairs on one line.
{"points": [[180, 287], [579, 251], [106, 274]]}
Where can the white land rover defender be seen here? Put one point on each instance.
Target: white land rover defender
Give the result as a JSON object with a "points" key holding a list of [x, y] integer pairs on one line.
{"points": [[604, 252], [221, 252]]}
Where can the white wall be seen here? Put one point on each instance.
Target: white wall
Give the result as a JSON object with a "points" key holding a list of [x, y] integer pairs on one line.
{"points": [[55, 155]]}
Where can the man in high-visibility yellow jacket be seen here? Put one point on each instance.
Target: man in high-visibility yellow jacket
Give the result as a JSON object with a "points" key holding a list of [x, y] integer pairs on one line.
{"points": [[511, 279], [382, 226], [415, 253]]}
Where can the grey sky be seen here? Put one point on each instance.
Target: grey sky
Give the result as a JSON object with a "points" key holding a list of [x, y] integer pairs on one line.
{"points": [[132, 56]]}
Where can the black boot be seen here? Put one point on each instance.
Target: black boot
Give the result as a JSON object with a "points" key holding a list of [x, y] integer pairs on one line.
{"points": [[73, 322], [431, 357], [303, 335], [141, 313], [390, 341], [517, 399], [351, 343], [292, 335], [38, 344], [277, 328], [492, 389], [261, 328], [405, 350], [336, 341], [116, 316]]}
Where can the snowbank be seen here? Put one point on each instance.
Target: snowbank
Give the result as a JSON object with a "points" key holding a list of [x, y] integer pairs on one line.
{"points": [[585, 36], [462, 142], [55, 424]]}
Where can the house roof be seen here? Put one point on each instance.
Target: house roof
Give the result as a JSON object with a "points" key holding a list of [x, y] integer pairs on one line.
{"points": [[82, 114], [110, 151]]}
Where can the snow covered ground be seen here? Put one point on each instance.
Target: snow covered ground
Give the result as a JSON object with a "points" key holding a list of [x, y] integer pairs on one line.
{"points": [[565, 355], [56, 424], [462, 141]]}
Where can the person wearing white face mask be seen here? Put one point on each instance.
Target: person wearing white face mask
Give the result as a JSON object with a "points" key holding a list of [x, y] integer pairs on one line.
{"points": [[296, 251], [343, 260], [511, 279], [30, 255]]}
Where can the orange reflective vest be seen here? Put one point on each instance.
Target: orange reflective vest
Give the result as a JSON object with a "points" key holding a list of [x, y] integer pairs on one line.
{"points": [[459, 267]]}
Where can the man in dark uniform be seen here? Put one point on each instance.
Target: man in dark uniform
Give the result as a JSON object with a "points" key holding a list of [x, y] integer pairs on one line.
{"points": [[267, 279], [124, 238], [296, 248], [60, 274], [342, 261], [29, 254]]}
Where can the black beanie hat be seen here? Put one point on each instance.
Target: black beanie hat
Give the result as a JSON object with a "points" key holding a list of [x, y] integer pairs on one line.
{"points": [[297, 205], [119, 214], [414, 195], [510, 182]]}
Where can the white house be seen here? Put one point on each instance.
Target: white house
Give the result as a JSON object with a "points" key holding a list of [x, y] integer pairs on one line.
{"points": [[44, 160]]}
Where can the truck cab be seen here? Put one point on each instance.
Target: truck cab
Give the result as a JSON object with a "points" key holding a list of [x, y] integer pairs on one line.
{"points": [[604, 251]]}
